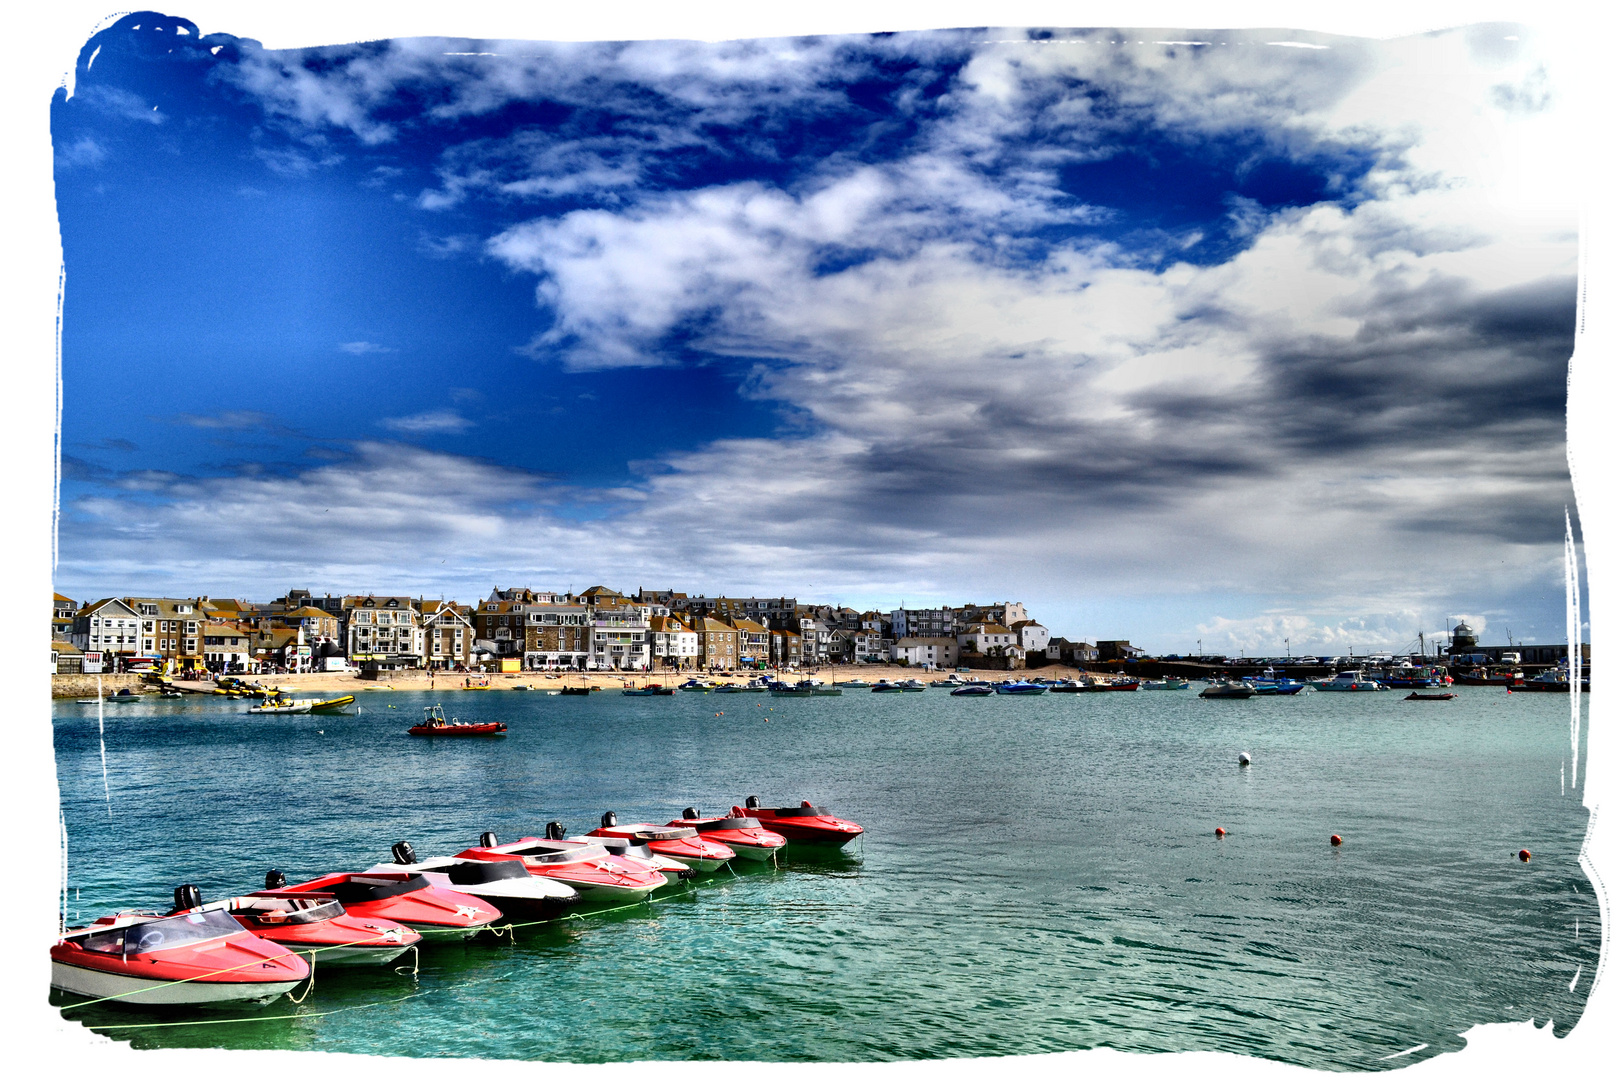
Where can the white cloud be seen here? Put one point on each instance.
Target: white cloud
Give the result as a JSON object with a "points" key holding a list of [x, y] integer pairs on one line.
{"points": [[365, 348], [440, 421]]}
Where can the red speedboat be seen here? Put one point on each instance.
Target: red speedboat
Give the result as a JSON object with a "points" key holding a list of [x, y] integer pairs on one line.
{"points": [[408, 899], [194, 958], [683, 844], [316, 922], [744, 835], [589, 867], [802, 824], [434, 723]]}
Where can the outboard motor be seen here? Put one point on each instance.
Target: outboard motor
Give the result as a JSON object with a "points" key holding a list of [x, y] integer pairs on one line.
{"points": [[689, 814], [752, 802], [275, 879], [555, 831], [404, 854], [187, 897], [487, 839], [609, 820]]}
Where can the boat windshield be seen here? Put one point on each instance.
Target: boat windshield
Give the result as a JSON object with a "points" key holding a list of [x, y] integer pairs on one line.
{"points": [[177, 930], [271, 912]]}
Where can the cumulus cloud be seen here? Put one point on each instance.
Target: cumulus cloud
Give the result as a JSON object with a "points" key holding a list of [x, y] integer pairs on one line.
{"points": [[1359, 401], [365, 348]]}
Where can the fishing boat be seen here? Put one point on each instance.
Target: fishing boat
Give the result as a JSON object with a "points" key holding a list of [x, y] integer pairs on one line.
{"points": [[434, 723], [802, 824], [1415, 696], [1022, 688], [855, 684], [1165, 684], [747, 836], [650, 690], [123, 697], [145, 959], [505, 885], [1126, 684], [588, 867], [1550, 681], [405, 898], [679, 842], [311, 923], [1227, 689], [972, 690], [783, 690], [576, 691]]}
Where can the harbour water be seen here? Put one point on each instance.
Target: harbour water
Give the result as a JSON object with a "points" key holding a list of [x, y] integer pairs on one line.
{"points": [[1038, 874]]}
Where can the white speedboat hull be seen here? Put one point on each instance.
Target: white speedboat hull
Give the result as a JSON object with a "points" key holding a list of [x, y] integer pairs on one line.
{"points": [[90, 983]]}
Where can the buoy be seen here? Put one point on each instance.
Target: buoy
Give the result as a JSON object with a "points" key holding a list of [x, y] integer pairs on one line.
{"points": [[1243, 759], [1524, 854], [1220, 831], [1335, 840]]}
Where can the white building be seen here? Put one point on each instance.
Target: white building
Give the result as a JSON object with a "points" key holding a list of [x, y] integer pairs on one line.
{"points": [[935, 651], [1032, 636], [987, 639], [620, 638]]}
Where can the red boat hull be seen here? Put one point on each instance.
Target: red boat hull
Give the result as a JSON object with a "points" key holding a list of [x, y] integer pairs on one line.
{"points": [[803, 824], [396, 898], [459, 729]]}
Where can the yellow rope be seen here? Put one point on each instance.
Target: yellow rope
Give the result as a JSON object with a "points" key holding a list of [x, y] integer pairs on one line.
{"points": [[307, 989]]}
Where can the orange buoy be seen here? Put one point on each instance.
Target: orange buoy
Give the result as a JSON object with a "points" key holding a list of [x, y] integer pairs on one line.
{"points": [[1219, 831], [1524, 854], [1335, 840]]}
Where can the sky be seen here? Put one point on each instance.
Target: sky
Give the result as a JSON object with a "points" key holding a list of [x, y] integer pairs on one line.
{"points": [[1241, 341]]}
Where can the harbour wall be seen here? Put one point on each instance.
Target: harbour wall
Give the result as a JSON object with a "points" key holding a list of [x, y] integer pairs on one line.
{"points": [[84, 686]]}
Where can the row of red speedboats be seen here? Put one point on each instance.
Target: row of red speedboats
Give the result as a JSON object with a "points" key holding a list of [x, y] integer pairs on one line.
{"points": [[249, 949]]}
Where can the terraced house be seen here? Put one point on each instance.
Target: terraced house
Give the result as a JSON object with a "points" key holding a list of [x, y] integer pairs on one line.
{"points": [[499, 628], [382, 631], [556, 635], [447, 634], [169, 630], [753, 642], [109, 629], [620, 634]]}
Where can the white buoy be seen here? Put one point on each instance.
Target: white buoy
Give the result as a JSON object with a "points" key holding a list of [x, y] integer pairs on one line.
{"points": [[1243, 759]]}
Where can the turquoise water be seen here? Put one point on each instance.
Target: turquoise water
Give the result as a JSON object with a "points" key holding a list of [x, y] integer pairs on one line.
{"points": [[1038, 874]]}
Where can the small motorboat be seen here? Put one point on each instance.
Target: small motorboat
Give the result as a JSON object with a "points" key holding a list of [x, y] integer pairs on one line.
{"points": [[123, 697], [744, 835], [912, 686], [649, 690], [1348, 681], [504, 885], [693, 686], [331, 705], [674, 871], [973, 690], [405, 898], [1227, 689], [1026, 688], [434, 723], [145, 959], [310, 923], [1415, 696], [884, 686], [681, 843], [802, 824], [855, 684], [576, 691], [1165, 684], [587, 866]]}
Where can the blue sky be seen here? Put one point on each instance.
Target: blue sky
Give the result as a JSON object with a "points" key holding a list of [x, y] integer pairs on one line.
{"points": [[1234, 340]]}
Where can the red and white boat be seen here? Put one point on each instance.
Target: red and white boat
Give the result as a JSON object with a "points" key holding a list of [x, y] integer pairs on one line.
{"points": [[317, 923], [744, 835], [409, 899], [588, 867], [802, 824], [681, 843], [506, 885], [200, 957]]}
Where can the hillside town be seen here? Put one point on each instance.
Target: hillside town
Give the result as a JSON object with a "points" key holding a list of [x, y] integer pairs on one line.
{"points": [[522, 629]]}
